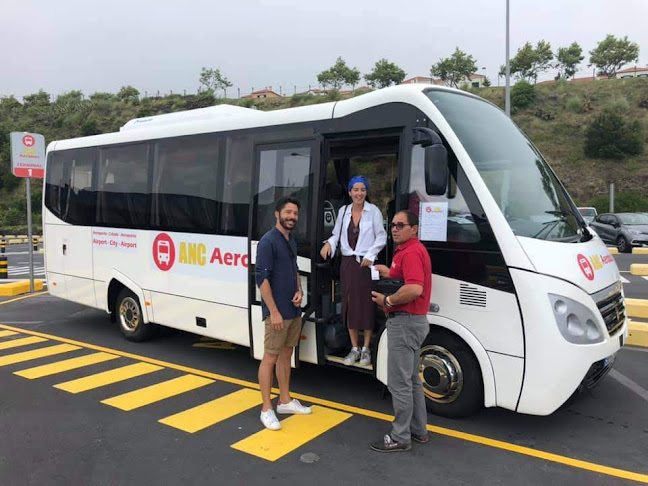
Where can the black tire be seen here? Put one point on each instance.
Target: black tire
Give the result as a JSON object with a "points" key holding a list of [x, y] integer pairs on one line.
{"points": [[623, 245], [128, 313], [445, 355]]}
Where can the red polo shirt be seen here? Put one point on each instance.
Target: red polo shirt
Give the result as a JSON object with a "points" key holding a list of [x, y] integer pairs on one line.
{"points": [[412, 264]]}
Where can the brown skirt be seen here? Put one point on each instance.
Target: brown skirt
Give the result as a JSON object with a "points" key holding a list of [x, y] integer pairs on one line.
{"points": [[358, 310]]}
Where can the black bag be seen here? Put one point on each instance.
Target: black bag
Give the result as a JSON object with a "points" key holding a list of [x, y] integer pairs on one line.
{"points": [[388, 286], [335, 262]]}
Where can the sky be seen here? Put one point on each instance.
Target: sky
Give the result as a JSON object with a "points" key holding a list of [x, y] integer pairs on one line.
{"points": [[160, 45]]}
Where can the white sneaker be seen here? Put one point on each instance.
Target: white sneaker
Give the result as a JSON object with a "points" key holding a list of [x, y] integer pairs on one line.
{"points": [[269, 420], [293, 407], [365, 357], [352, 357]]}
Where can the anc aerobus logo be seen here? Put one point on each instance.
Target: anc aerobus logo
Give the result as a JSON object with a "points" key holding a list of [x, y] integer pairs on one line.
{"points": [[590, 265], [196, 254]]}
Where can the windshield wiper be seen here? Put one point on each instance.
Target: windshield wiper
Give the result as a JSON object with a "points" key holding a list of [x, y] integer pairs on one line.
{"points": [[546, 226]]}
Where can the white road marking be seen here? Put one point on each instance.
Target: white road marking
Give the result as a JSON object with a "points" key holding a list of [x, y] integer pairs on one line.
{"points": [[645, 278], [624, 280], [632, 385]]}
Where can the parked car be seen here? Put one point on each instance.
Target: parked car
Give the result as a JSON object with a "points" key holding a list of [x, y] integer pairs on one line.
{"points": [[624, 230], [588, 214]]}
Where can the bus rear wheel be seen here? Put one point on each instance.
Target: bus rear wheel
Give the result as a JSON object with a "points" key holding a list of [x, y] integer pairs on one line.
{"points": [[129, 316], [451, 376]]}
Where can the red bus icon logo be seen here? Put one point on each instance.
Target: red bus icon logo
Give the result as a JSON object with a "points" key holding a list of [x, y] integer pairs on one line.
{"points": [[585, 266], [28, 141], [163, 252]]}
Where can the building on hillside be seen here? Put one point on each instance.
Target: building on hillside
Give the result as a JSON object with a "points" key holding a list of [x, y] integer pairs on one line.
{"points": [[476, 80], [632, 72], [262, 93]]}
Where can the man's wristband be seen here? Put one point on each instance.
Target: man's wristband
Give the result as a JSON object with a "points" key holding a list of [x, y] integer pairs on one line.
{"points": [[387, 304]]}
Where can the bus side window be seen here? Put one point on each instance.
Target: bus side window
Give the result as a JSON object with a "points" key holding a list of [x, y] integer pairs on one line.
{"points": [[123, 186]]}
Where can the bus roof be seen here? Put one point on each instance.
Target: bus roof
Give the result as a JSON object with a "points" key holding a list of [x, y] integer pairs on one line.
{"points": [[228, 117]]}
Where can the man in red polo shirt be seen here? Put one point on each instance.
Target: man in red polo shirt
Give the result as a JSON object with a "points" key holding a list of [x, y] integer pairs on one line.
{"points": [[407, 328]]}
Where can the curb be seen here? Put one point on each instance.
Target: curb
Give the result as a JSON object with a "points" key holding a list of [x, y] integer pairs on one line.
{"points": [[637, 308], [638, 334], [640, 251], [613, 250], [18, 288], [639, 269]]}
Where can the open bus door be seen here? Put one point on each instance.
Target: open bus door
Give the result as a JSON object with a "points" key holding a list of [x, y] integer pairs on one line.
{"points": [[285, 169]]}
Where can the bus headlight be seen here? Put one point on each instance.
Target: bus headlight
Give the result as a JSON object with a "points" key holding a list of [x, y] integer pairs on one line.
{"points": [[576, 323]]}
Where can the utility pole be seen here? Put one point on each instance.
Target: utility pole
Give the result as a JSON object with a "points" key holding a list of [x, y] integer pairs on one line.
{"points": [[507, 103]]}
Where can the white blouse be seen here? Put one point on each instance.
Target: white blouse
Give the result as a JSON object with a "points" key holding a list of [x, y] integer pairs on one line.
{"points": [[372, 238]]}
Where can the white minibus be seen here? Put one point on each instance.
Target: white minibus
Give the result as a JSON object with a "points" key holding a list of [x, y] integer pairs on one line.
{"points": [[158, 224]]}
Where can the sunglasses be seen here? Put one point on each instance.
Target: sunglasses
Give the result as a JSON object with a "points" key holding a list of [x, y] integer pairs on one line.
{"points": [[399, 226]]}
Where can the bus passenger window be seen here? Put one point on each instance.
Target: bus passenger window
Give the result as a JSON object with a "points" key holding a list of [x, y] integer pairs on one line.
{"points": [[123, 199]]}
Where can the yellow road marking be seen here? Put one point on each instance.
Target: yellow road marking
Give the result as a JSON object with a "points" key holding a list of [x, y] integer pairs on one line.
{"points": [[155, 393], [107, 377], [15, 343], [65, 365], [210, 413], [295, 432], [36, 353], [23, 297], [7, 333], [527, 451]]}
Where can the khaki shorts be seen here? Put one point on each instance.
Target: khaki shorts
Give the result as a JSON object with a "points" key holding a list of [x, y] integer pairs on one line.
{"points": [[288, 337]]}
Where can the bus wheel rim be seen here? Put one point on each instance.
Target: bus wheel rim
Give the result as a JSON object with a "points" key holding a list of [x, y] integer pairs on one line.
{"points": [[129, 314], [441, 374]]}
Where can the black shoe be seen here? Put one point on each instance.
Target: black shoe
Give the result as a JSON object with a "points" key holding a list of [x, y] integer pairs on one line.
{"points": [[388, 445], [421, 439]]}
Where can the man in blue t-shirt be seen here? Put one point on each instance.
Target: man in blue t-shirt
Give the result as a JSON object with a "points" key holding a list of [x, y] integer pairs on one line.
{"points": [[277, 277]]}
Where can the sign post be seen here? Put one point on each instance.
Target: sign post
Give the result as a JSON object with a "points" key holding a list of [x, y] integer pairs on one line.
{"points": [[28, 160]]}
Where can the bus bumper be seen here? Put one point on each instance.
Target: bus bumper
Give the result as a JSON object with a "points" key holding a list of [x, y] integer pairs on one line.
{"points": [[554, 367]]}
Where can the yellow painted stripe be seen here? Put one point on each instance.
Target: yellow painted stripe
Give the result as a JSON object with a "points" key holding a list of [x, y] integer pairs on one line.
{"points": [[30, 296], [7, 333], [295, 432], [65, 365], [210, 413], [589, 466], [638, 334], [15, 343], [107, 377], [36, 353], [155, 393]]}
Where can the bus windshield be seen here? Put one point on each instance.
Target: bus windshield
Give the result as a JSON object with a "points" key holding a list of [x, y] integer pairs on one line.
{"points": [[526, 190]]}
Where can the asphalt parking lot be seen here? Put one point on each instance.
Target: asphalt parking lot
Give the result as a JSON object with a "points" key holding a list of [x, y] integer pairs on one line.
{"points": [[60, 426]]}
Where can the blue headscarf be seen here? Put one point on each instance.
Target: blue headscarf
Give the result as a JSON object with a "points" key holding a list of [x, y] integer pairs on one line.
{"points": [[356, 179]]}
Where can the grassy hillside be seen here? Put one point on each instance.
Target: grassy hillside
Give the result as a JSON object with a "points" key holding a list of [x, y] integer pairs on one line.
{"points": [[556, 122]]}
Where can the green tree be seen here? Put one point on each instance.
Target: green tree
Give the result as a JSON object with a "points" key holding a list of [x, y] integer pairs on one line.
{"points": [[338, 75], [128, 94], [486, 82], [37, 99], [99, 96], [212, 80], [611, 54], [530, 61], [74, 96], [624, 202], [568, 59], [454, 69], [384, 74], [611, 136]]}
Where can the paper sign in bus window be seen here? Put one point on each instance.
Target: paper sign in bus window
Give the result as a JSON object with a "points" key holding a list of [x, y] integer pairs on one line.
{"points": [[433, 224]]}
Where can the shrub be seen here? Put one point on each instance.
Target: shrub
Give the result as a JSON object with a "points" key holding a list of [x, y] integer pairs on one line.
{"points": [[522, 94], [627, 201], [618, 105], [574, 104], [610, 136]]}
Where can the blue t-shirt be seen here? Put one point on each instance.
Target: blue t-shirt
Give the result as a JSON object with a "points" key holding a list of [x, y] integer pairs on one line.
{"points": [[276, 260]]}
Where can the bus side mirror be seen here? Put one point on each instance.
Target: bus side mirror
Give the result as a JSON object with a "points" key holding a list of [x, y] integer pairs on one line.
{"points": [[436, 160]]}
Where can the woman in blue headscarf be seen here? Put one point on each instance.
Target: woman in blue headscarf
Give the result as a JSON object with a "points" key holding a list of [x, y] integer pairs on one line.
{"points": [[360, 232]]}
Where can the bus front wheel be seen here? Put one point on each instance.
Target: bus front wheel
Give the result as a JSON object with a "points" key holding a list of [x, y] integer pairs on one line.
{"points": [[451, 376], [129, 316]]}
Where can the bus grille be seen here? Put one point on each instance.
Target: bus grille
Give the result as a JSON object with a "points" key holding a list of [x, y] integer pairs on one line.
{"points": [[613, 312]]}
